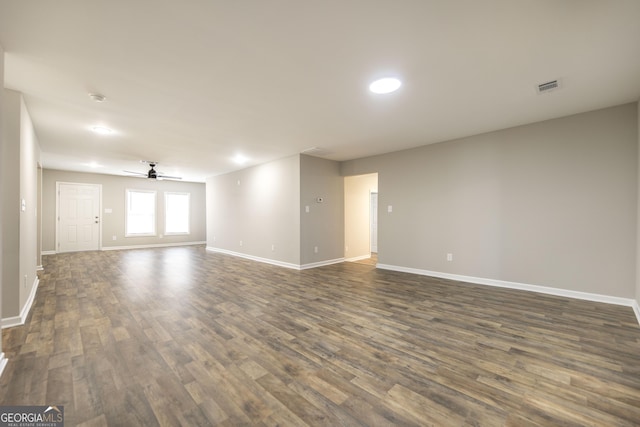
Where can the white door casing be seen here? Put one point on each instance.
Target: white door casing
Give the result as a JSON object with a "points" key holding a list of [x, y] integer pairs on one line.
{"points": [[78, 217], [373, 215]]}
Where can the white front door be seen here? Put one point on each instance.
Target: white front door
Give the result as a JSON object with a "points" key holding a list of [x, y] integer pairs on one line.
{"points": [[78, 217]]}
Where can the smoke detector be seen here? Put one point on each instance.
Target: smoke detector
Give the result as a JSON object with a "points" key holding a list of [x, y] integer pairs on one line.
{"points": [[97, 97]]}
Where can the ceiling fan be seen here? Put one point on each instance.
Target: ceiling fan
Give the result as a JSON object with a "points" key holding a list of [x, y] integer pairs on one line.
{"points": [[153, 174]]}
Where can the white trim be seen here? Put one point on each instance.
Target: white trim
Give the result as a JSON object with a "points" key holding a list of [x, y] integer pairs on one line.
{"points": [[358, 258], [39, 268], [276, 262], [254, 258], [321, 263], [636, 309], [48, 252], [10, 322], [3, 362], [155, 245], [628, 302]]}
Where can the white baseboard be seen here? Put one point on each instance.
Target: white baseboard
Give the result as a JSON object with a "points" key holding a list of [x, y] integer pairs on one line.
{"points": [[120, 248], [158, 245], [3, 362], [10, 322], [358, 258], [321, 263], [276, 262], [628, 302], [254, 258], [636, 310]]}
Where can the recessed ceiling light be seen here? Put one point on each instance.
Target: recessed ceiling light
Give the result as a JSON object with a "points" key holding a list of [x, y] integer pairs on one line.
{"points": [[386, 85], [101, 130], [240, 159]]}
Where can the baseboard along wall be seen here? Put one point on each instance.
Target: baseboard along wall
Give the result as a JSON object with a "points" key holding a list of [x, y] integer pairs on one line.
{"points": [[627, 302], [10, 322], [121, 248], [276, 262]]}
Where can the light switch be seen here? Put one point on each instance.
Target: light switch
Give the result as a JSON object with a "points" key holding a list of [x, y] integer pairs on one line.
{"points": [[108, 210], [306, 209], [389, 208]]}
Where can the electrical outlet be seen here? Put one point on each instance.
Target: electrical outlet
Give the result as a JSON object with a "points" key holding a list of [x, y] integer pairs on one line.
{"points": [[114, 237], [449, 257], [240, 242], [161, 236], [315, 249]]}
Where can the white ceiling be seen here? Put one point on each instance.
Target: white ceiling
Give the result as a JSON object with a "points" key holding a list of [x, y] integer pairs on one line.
{"points": [[192, 83]]}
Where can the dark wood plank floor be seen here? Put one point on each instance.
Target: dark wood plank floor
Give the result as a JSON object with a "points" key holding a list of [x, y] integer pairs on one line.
{"points": [[178, 336]]}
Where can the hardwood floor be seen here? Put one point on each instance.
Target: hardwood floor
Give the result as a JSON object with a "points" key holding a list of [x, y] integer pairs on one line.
{"points": [[179, 336]]}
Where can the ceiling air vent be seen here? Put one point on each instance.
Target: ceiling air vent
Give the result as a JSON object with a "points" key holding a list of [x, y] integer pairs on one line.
{"points": [[548, 86]]}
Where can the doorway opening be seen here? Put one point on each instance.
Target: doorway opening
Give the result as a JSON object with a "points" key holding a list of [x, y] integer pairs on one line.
{"points": [[361, 218]]}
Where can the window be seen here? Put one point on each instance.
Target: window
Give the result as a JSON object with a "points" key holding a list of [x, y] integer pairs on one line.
{"points": [[176, 209], [141, 213]]}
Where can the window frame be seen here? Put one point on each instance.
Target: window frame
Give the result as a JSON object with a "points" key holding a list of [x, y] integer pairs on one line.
{"points": [[154, 233], [166, 210]]}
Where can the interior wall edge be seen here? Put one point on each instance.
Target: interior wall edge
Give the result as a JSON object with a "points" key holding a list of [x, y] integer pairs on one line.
{"points": [[20, 320]]}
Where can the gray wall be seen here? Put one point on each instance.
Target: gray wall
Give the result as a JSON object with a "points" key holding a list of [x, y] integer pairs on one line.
{"points": [[323, 225], [11, 204], [29, 160], [258, 206], [264, 208], [21, 154], [113, 197], [552, 203]]}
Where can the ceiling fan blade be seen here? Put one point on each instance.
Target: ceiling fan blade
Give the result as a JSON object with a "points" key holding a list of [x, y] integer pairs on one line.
{"points": [[136, 173], [169, 177]]}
